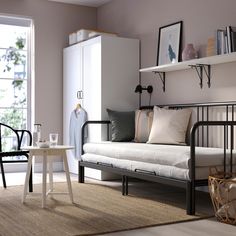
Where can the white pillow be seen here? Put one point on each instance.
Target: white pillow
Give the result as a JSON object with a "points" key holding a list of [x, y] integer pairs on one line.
{"points": [[169, 126], [143, 125]]}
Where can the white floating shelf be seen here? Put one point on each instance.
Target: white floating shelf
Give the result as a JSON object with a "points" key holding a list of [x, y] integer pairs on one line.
{"points": [[213, 60]]}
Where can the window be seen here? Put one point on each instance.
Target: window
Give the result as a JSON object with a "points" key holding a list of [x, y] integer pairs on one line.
{"points": [[15, 74]]}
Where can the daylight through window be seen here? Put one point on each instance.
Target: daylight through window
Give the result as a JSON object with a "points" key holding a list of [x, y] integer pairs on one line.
{"points": [[15, 75]]}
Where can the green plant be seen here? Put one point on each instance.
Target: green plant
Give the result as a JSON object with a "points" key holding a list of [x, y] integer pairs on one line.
{"points": [[20, 43], [14, 56]]}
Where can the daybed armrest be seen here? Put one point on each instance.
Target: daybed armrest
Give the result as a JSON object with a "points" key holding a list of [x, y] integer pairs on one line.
{"points": [[89, 122], [198, 124]]}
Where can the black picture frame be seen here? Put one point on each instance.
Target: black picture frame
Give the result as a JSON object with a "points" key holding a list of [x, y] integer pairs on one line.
{"points": [[169, 43]]}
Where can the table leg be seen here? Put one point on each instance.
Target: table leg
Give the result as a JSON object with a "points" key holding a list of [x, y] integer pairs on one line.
{"points": [[50, 174], [29, 166], [44, 185], [68, 176]]}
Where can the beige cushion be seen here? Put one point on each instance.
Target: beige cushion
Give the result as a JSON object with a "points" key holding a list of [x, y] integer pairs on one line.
{"points": [[143, 124], [169, 126]]}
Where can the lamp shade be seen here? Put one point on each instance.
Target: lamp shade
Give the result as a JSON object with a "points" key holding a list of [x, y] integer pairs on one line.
{"points": [[138, 89], [149, 89]]}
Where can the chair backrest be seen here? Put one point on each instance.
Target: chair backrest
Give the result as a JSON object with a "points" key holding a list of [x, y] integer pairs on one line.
{"points": [[12, 139]]}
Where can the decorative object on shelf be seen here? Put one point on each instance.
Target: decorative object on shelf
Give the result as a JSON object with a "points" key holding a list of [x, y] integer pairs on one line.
{"points": [[139, 89], [189, 52], [211, 47], [169, 42]]}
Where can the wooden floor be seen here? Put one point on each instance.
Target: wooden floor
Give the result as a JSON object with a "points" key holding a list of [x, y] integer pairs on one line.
{"points": [[195, 228]]}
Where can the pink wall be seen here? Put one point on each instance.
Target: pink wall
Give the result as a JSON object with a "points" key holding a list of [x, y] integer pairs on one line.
{"points": [[53, 23], [129, 18], [142, 19]]}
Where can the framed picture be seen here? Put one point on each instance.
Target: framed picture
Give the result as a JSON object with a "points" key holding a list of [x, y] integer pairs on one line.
{"points": [[169, 42]]}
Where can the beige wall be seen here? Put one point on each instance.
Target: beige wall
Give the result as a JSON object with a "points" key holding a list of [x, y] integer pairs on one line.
{"points": [[142, 19], [53, 23], [129, 18]]}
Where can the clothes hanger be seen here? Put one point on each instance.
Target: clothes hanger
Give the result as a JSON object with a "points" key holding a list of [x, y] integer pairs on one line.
{"points": [[78, 107]]}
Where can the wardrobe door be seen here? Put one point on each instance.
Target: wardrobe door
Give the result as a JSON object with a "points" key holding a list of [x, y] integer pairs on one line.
{"points": [[92, 85], [72, 91]]}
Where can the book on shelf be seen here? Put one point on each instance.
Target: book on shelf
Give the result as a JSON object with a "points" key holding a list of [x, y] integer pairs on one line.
{"points": [[221, 42], [231, 38], [233, 43], [226, 40], [229, 41]]}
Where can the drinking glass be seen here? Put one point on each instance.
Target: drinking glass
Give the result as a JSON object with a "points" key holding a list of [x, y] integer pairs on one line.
{"points": [[53, 139]]}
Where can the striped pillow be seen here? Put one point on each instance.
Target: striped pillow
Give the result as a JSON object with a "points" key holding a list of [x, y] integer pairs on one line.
{"points": [[143, 125]]}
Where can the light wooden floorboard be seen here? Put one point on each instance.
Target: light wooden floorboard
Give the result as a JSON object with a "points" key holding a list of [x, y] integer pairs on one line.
{"points": [[195, 228]]}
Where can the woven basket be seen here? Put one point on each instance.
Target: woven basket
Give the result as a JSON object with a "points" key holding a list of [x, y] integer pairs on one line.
{"points": [[222, 188]]}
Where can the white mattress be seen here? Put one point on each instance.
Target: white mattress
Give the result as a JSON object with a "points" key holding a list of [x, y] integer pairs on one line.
{"points": [[162, 170], [166, 155]]}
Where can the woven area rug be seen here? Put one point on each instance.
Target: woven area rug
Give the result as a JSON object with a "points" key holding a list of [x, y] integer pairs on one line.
{"points": [[98, 209]]}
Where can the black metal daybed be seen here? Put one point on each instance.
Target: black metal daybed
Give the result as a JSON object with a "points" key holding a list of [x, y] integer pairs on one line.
{"points": [[205, 119]]}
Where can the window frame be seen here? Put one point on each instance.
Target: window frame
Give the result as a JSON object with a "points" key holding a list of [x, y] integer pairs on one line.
{"points": [[29, 23]]}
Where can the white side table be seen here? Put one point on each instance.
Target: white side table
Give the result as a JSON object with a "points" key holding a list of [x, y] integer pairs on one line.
{"points": [[45, 152]]}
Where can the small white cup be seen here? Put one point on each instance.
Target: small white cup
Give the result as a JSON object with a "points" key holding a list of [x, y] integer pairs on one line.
{"points": [[53, 139]]}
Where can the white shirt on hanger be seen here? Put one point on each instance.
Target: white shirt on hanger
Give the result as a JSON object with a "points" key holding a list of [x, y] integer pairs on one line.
{"points": [[77, 119]]}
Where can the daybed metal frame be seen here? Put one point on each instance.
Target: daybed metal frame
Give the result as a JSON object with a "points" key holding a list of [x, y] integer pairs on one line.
{"points": [[196, 139]]}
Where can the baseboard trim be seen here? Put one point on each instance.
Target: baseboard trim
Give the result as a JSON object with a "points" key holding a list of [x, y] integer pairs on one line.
{"points": [[14, 167]]}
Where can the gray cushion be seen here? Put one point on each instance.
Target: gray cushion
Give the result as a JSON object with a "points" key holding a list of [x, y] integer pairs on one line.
{"points": [[122, 125]]}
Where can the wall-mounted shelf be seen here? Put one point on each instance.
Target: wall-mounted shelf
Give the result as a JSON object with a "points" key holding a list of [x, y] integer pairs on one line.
{"points": [[201, 65]]}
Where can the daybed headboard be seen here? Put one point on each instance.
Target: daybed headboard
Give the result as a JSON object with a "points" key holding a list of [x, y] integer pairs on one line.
{"points": [[215, 111]]}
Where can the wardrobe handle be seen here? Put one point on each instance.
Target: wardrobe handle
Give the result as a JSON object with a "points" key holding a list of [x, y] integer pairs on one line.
{"points": [[80, 94]]}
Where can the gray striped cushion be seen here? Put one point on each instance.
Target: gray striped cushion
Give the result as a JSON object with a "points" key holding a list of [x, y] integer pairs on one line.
{"points": [[143, 124]]}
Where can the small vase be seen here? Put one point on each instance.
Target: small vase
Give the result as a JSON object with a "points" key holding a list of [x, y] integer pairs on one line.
{"points": [[189, 52]]}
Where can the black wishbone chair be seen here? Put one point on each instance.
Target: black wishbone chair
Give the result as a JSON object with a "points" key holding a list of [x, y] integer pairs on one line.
{"points": [[18, 136]]}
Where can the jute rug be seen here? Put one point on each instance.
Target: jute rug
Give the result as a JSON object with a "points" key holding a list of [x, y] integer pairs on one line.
{"points": [[98, 209]]}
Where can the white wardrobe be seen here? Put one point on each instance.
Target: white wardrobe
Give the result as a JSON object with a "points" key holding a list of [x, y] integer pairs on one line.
{"points": [[99, 73]]}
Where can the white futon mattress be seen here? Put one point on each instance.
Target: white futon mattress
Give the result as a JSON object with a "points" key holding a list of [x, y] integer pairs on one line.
{"points": [[165, 160]]}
